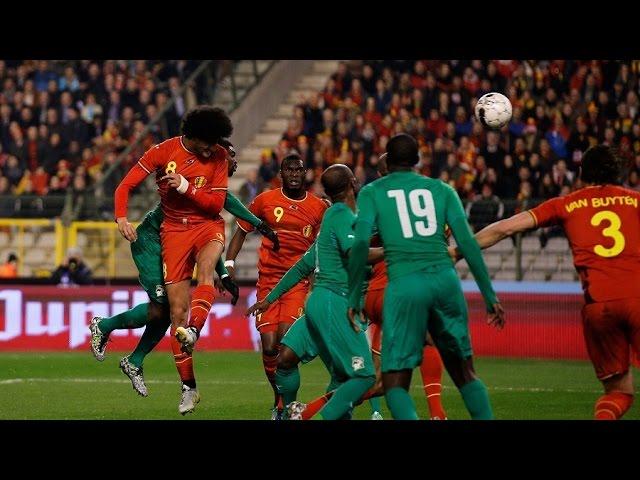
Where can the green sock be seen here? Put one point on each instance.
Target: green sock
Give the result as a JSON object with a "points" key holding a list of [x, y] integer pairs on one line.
{"points": [[401, 404], [374, 402], [134, 318], [476, 399], [345, 397], [150, 338], [288, 383]]}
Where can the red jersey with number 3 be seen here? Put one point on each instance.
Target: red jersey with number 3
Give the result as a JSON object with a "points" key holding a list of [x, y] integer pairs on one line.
{"points": [[205, 174], [297, 223], [602, 224]]}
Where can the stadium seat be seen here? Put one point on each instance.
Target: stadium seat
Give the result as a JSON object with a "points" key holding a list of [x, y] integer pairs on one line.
{"points": [[535, 275], [503, 246], [530, 243], [505, 275], [563, 277], [557, 245], [37, 257]]}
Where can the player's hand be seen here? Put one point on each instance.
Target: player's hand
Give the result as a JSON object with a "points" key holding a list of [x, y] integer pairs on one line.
{"points": [[217, 283], [355, 319], [496, 318], [177, 181], [258, 308], [232, 288], [126, 229], [232, 272], [266, 230], [454, 254]]}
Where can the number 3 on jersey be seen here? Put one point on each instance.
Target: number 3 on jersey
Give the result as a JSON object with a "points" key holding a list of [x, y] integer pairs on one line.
{"points": [[421, 203], [612, 231]]}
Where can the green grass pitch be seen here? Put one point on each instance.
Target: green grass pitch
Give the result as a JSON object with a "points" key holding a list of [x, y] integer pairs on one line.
{"points": [[233, 386]]}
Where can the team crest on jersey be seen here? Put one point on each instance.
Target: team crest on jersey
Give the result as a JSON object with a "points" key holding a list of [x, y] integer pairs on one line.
{"points": [[357, 363], [160, 291], [220, 236], [307, 231], [199, 182]]}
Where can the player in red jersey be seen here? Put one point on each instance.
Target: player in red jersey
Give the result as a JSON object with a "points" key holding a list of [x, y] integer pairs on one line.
{"points": [[191, 173], [295, 215], [602, 224]]}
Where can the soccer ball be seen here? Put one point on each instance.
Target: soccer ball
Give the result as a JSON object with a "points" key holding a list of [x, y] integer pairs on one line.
{"points": [[493, 110]]}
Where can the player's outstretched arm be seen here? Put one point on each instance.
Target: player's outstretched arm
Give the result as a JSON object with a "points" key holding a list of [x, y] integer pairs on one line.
{"points": [[236, 208], [492, 234], [132, 179], [301, 269], [360, 248], [457, 221]]}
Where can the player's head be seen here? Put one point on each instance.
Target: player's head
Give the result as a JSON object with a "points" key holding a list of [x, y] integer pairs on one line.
{"points": [[383, 170], [402, 152], [293, 172], [204, 127], [231, 156], [601, 166], [339, 182]]}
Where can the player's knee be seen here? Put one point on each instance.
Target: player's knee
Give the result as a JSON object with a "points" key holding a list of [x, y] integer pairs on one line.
{"points": [[287, 360], [270, 352]]}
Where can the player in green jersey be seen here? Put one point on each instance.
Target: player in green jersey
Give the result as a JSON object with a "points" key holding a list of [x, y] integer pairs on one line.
{"points": [[147, 255], [324, 330], [410, 212]]}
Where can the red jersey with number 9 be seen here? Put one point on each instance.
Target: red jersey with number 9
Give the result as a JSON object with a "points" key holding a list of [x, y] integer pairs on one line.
{"points": [[297, 223], [602, 224]]}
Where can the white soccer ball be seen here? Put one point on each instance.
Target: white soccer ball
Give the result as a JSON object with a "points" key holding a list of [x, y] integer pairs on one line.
{"points": [[493, 110]]}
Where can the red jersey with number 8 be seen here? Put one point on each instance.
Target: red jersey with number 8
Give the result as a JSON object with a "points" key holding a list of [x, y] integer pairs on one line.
{"points": [[602, 224], [204, 174]]}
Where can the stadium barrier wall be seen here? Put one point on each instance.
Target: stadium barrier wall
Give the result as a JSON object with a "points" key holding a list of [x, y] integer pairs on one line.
{"points": [[543, 320]]}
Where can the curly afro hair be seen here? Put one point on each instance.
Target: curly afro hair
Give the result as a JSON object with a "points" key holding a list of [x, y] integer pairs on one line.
{"points": [[206, 123], [601, 165]]}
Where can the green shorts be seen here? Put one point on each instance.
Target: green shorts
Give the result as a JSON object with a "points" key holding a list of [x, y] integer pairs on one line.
{"points": [[427, 300], [298, 338], [147, 255], [346, 351]]}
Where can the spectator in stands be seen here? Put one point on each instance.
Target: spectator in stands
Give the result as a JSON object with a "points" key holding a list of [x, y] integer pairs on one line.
{"points": [[251, 187], [485, 208], [10, 269], [72, 271]]}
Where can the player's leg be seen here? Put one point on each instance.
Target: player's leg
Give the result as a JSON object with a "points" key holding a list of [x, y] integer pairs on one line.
{"points": [[290, 307], [158, 322], [296, 346], [267, 326], [448, 326], [178, 254], [147, 256], [101, 327], [608, 332], [431, 370], [348, 351], [373, 311], [406, 303], [203, 295]]}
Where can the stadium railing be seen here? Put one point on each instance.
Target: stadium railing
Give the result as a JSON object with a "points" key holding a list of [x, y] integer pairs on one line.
{"points": [[38, 243]]}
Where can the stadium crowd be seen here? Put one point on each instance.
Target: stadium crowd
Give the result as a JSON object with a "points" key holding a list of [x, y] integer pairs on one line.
{"points": [[560, 108], [63, 123]]}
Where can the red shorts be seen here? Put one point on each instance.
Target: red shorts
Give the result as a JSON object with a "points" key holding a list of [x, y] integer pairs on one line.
{"points": [[181, 244], [373, 310], [611, 331], [286, 309]]}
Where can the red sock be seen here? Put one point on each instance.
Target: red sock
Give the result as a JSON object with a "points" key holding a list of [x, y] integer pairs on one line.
{"points": [[201, 301], [184, 362], [431, 370], [316, 405], [612, 406], [270, 364]]}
